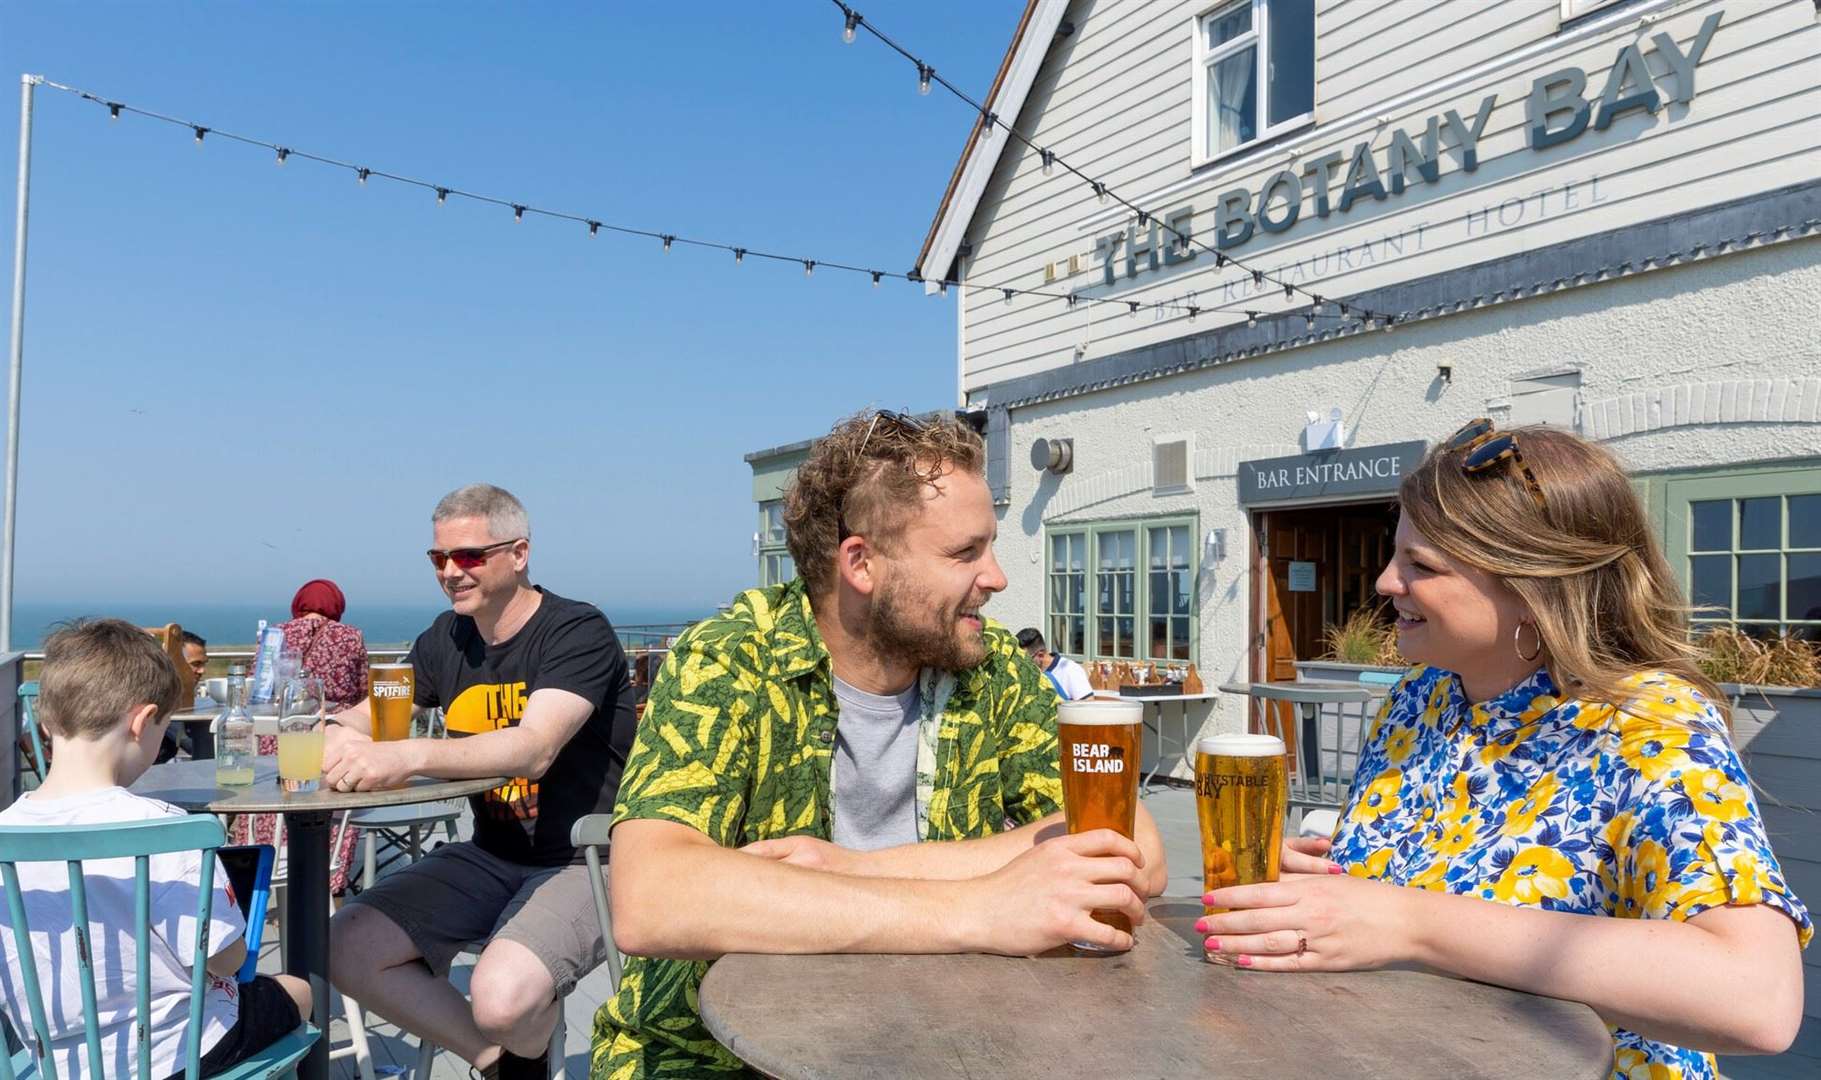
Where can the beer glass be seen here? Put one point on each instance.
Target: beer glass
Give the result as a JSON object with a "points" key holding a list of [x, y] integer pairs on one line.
{"points": [[1240, 792], [1100, 745], [390, 689]]}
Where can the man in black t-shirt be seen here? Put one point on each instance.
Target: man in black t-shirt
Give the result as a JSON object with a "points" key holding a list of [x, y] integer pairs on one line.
{"points": [[533, 687]]}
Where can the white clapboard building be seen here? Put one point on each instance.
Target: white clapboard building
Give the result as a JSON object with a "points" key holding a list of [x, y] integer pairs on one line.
{"points": [[1599, 214]]}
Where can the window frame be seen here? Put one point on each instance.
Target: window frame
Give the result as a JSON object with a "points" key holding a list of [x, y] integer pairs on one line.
{"points": [[1682, 492], [1204, 58], [1091, 531]]}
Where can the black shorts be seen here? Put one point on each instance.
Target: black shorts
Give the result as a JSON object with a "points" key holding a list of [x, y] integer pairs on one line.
{"points": [[267, 1014]]}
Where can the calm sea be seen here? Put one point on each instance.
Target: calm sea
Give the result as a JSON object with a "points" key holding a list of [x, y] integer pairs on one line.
{"points": [[234, 624]]}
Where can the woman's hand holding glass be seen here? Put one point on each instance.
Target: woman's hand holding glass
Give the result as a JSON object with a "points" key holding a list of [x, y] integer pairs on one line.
{"points": [[1313, 918]]}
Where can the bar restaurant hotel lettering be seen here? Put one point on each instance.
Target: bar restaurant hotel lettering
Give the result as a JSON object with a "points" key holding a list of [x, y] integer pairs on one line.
{"points": [[1607, 218]]}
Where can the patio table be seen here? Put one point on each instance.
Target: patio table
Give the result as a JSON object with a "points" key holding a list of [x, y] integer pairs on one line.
{"points": [[1157, 1011], [1156, 726], [191, 786]]}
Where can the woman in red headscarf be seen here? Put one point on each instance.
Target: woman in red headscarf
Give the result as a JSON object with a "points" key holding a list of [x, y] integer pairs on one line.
{"points": [[336, 653], [330, 649]]}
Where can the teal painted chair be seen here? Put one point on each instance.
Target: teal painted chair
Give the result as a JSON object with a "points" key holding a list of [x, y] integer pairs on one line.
{"points": [[138, 841], [28, 721]]}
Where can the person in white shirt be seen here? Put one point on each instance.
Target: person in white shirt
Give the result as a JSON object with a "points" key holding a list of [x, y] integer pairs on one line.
{"points": [[1066, 675], [106, 694]]}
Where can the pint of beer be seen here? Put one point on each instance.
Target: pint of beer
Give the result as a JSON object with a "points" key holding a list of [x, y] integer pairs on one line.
{"points": [[390, 688], [1240, 795], [1100, 745]]}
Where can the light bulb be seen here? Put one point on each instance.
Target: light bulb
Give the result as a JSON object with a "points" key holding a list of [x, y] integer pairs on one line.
{"points": [[1049, 161], [1251, 318], [1133, 304], [518, 212], [847, 33], [1289, 293], [594, 228], [809, 267], [282, 154], [739, 256], [113, 110], [1008, 297], [362, 175], [924, 72], [876, 276], [667, 241], [200, 132], [1309, 322], [1193, 311]]}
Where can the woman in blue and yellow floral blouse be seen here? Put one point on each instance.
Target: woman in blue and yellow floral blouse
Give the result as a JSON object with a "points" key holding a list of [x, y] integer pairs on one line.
{"points": [[1557, 755]]}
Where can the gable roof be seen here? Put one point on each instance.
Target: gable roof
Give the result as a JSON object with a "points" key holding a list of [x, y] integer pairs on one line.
{"points": [[980, 156]]}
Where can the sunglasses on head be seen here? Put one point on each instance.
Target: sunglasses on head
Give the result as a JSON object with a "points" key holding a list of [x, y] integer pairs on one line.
{"points": [[465, 558], [1483, 450]]}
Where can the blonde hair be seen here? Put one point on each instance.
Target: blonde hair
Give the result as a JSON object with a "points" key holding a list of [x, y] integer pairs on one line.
{"points": [[95, 672], [866, 478], [1587, 566]]}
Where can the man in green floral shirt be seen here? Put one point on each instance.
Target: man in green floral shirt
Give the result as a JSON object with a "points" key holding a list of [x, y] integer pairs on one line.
{"points": [[852, 762]]}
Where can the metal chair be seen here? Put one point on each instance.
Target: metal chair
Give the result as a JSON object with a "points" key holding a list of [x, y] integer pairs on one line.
{"points": [[138, 840], [1322, 820], [589, 833]]}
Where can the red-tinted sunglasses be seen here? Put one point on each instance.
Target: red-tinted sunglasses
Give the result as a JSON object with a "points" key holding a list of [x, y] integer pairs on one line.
{"points": [[465, 558]]}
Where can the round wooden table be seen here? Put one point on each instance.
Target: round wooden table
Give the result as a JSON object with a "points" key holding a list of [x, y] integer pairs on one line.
{"points": [[191, 785], [1157, 1011]]}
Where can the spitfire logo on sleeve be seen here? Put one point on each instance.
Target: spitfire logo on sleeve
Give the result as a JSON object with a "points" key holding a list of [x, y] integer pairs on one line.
{"points": [[489, 707]]}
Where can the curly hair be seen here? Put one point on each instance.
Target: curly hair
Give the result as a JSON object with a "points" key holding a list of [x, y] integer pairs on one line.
{"points": [[866, 478]]}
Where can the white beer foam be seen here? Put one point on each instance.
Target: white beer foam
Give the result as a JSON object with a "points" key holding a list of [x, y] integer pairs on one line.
{"points": [[1100, 711], [1242, 745]]}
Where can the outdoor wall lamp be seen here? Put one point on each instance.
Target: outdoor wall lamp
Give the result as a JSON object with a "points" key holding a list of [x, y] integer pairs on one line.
{"points": [[1053, 455], [1215, 546], [1445, 372]]}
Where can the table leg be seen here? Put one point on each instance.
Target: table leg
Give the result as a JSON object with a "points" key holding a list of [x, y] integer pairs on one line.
{"points": [[1144, 787], [307, 915]]}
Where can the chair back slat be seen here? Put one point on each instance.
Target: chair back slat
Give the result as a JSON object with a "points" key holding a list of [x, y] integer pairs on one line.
{"points": [[40, 1036], [73, 845], [142, 955], [199, 973], [85, 965], [28, 718]]}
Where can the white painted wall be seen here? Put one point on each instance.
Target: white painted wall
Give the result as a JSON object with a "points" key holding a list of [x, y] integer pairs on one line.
{"points": [[1114, 99], [1747, 319]]}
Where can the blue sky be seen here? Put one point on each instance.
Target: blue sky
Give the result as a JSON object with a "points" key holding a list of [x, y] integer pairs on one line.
{"points": [[240, 376]]}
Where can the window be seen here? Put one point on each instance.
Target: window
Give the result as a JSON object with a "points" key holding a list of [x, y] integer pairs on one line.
{"points": [[1254, 73], [775, 564], [777, 569], [771, 516], [1142, 602], [1068, 619], [1749, 549]]}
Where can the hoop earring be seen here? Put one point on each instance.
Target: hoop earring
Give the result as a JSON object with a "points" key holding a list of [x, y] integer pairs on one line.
{"points": [[1517, 636]]}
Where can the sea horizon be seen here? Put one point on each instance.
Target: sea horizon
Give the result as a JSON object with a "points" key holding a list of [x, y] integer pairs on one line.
{"points": [[229, 624]]}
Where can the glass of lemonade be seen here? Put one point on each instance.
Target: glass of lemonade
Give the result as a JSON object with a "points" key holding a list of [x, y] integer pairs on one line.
{"points": [[301, 715]]}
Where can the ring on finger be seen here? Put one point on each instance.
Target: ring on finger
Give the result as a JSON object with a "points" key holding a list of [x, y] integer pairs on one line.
{"points": [[1302, 943]]}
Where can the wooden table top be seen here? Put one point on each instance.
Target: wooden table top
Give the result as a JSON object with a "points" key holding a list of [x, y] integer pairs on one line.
{"points": [[191, 785], [1157, 1011]]}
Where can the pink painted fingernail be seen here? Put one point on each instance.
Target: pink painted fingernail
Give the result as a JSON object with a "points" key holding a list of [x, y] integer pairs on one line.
{"points": [[1243, 961], [1201, 925], [1335, 868], [1212, 944]]}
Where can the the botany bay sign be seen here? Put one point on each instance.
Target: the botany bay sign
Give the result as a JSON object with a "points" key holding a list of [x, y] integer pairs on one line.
{"points": [[1557, 110]]}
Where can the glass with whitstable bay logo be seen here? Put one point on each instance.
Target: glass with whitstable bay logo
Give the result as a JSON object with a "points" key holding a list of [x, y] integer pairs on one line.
{"points": [[1240, 797], [1101, 742]]}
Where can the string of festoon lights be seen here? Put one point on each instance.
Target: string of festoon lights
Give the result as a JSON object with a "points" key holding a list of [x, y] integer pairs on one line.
{"points": [[990, 121], [444, 192]]}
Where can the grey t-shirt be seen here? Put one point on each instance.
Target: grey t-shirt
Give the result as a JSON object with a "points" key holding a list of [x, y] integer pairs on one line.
{"points": [[875, 768]]}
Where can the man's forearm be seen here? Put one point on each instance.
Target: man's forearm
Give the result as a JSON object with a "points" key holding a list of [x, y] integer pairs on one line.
{"points": [[506, 752], [699, 901], [957, 860], [357, 717]]}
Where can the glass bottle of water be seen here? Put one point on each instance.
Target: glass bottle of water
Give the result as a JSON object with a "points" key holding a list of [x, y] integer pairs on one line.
{"points": [[235, 746]]}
